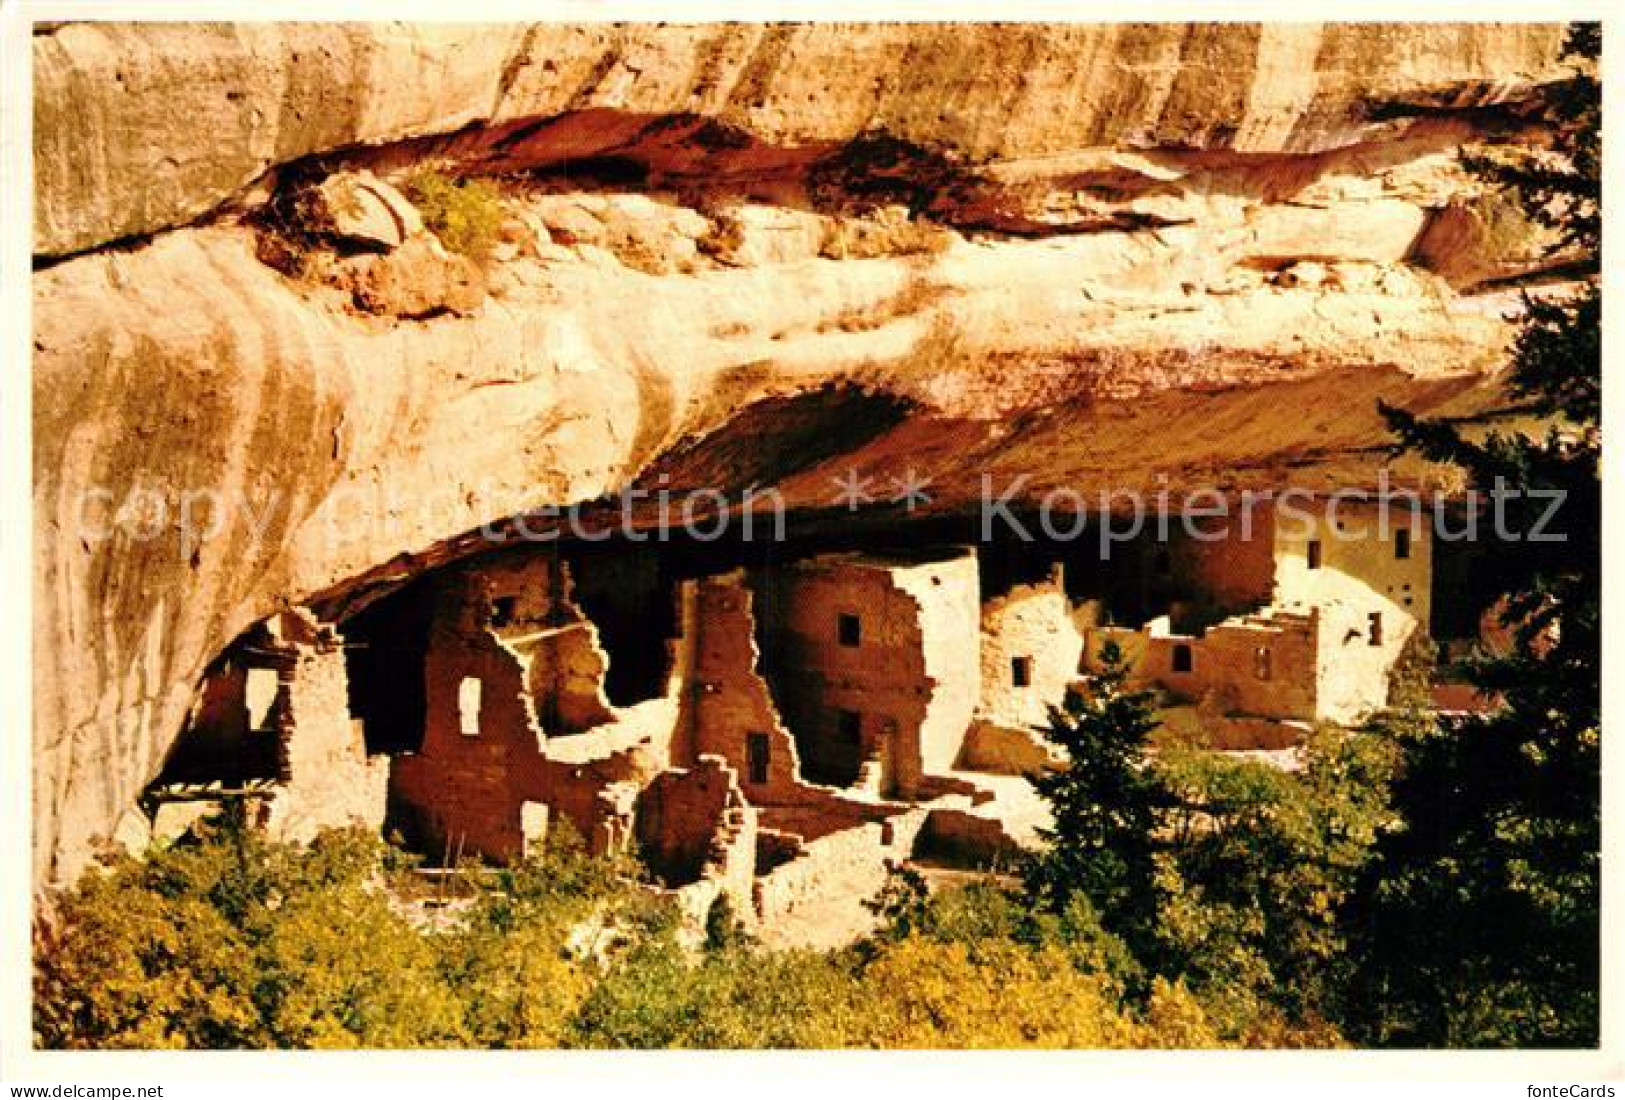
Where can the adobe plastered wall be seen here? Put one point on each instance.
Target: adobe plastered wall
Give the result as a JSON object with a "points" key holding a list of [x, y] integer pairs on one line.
{"points": [[1360, 575], [948, 595]]}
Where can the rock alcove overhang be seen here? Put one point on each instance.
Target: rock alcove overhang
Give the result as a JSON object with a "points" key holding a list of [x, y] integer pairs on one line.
{"points": [[798, 456], [135, 153]]}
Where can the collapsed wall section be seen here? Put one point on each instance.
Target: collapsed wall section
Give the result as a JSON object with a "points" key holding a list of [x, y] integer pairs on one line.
{"points": [[328, 777], [481, 757], [272, 724], [518, 729]]}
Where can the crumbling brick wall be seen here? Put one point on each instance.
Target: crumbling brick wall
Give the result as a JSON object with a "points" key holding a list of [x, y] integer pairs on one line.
{"points": [[220, 741], [528, 604], [693, 823], [848, 866], [565, 669], [484, 755], [274, 714], [464, 790]]}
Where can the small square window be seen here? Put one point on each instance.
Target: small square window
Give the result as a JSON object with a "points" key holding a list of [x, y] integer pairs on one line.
{"points": [[468, 706], [849, 630], [758, 751], [1182, 658], [1402, 544], [1314, 554], [1374, 626], [1021, 671], [502, 610]]}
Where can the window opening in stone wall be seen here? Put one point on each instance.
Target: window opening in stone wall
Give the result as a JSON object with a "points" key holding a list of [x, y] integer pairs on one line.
{"points": [[758, 753], [468, 706], [502, 610], [260, 694]]}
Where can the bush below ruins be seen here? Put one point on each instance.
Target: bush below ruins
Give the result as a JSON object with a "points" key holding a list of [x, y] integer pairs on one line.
{"points": [[224, 939]]}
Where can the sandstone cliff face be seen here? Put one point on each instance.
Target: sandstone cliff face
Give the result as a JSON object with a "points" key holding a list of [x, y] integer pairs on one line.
{"points": [[1096, 256], [141, 128]]}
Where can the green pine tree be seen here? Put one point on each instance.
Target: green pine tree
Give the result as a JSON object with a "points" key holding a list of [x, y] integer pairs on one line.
{"points": [[1107, 805], [1479, 924]]}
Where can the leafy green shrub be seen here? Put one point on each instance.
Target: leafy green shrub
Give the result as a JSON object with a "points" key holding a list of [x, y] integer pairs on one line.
{"points": [[227, 940], [465, 214], [1508, 233]]}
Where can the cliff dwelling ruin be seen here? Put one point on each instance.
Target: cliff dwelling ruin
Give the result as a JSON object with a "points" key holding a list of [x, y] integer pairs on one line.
{"points": [[781, 725], [705, 263]]}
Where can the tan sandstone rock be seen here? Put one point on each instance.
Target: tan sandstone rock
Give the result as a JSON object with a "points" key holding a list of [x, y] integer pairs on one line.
{"points": [[360, 208], [1075, 281], [420, 279]]}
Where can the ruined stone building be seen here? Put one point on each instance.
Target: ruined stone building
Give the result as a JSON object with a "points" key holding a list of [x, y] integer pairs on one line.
{"points": [[1302, 622], [778, 731], [272, 724]]}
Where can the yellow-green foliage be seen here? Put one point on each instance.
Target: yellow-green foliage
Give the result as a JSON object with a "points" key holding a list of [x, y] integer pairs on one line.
{"points": [[1507, 231], [227, 941], [922, 993], [465, 214]]}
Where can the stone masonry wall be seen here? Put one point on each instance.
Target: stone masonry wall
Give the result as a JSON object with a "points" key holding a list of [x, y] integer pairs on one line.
{"points": [[1037, 624], [725, 700], [328, 780], [465, 790], [912, 677], [1360, 576]]}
